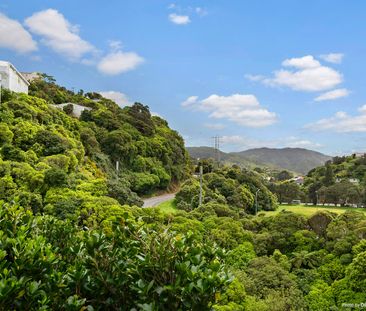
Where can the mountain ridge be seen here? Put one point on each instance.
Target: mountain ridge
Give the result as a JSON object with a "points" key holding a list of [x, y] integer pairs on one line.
{"points": [[298, 160]]}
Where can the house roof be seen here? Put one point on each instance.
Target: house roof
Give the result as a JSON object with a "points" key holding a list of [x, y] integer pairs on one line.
{"points": [[5, 63]]}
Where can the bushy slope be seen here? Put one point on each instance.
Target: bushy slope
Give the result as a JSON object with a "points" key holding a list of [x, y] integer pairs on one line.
{"points": [[51, 161]]}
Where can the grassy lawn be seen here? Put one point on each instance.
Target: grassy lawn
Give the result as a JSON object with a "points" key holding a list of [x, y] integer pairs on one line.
{"points": [[310, 209], [168, 207]]}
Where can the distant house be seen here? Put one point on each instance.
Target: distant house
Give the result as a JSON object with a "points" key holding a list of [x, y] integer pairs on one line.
{"points": [[12, 79], [298, 179], [77, 109], [30, 76], [351, 180]]}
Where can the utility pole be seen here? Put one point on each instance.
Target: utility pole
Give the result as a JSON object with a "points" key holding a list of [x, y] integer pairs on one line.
{"points": [[217, 148], [117, 169], [201, 173], [256, 201]]}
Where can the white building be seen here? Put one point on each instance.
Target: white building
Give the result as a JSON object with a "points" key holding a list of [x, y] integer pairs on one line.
{"points": [[77, 109], [12, 79], [30, 76]]}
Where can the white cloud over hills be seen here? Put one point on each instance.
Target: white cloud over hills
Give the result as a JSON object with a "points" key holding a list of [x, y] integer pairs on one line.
{"points": [[241, 109], [309, 75], [179, 19], [119, 98], [243, 143], [58, 33], [305, 74], [13, 36], [335, 58], [118, 62], [331, 95], [342, 122]]}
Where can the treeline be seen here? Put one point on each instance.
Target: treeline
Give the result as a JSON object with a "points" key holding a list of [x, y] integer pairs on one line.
{"points": [[340, 181], [232, 188]]}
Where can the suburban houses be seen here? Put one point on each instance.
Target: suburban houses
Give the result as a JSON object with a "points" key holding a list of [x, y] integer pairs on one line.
{"points": [[12, 79]]}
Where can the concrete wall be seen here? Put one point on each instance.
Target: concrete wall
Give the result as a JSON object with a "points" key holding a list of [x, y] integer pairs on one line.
{"points": [[11, 79]]}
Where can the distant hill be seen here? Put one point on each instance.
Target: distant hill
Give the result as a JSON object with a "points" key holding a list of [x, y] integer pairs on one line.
{"points": [[293, 159]]}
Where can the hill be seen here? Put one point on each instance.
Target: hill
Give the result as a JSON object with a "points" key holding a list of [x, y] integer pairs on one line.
{"points": [[293, 159], [51, 161]]}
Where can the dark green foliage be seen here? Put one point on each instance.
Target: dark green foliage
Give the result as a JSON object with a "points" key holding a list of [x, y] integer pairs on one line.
{"points": [[59, 151], [68, 109], [340, 181], [231, 186], [55, 177], [47, 264]]}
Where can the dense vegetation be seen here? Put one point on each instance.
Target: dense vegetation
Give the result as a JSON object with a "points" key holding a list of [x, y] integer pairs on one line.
{"points": [[198, 260], [72, 237], [51, 161], [230, 187], [340, 181]]}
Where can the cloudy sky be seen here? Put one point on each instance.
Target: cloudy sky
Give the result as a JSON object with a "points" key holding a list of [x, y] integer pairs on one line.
{"points": [[257, 73]]}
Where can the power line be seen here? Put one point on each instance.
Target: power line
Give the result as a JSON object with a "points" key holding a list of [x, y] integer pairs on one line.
{"points": [[217, 154]]}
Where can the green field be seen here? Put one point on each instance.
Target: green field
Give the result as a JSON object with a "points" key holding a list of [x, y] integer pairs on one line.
{"points": [[168, 207], [310, 209]]}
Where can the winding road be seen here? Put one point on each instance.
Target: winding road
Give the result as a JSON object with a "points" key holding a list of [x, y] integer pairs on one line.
{"points": [[155, 201]]}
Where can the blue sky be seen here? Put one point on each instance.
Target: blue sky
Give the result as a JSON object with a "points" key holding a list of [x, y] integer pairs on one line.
{"points": [[257, 73]]}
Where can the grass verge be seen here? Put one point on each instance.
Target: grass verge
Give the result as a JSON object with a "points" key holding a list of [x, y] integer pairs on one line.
{"points": [[309, 210], [168, 207]]}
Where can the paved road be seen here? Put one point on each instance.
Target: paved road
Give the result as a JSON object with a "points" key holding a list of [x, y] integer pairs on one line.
{"points": [[155, 201]]}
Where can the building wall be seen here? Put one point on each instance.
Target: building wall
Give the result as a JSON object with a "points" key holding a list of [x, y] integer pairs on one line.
{"points": [[11, 79]]}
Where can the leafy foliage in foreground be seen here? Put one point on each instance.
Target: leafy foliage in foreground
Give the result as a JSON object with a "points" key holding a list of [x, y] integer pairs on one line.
{"points": [[46, 263]]}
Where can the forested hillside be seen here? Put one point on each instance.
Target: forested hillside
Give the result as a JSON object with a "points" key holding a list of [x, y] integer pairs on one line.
{"points": [[297, 160], [52, 161]]}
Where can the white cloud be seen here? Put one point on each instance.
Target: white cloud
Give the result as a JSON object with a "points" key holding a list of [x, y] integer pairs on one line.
{"points": [[301, 62], [334, 94], [179, 19], [58, 33], [115, 45], [242, 109], [119, 98], [118, 62], [190, 101], [305, 74], [243, 143], [342, 122], [214, 126], [13, 36], [295, 142], [335, 58]]}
